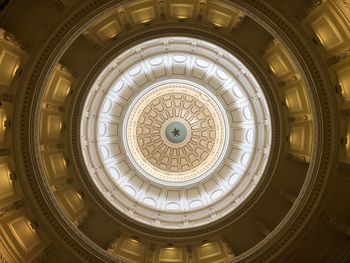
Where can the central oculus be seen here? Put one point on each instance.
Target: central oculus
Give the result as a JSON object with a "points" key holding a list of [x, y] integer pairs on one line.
{"points": [[175, 132]]}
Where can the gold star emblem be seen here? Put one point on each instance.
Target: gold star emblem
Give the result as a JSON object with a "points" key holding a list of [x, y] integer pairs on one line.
{"points": [[176, 132]]}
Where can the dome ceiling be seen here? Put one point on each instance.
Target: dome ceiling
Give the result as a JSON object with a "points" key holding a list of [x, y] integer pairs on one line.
{"points": [[182, 125], [175, 131], [182, 131]]}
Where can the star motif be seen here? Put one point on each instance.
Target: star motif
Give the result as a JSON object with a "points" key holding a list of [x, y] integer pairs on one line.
{"points": [[176, 132]]}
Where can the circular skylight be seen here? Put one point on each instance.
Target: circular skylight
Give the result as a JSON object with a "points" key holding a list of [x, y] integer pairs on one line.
{"points": [[175, 132]]}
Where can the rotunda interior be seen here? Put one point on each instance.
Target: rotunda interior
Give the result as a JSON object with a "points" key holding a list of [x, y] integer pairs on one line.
{"points": [[175, 131]]}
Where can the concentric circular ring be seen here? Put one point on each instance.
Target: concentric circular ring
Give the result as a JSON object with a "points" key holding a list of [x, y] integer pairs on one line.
{"points": [[201, 132], [284, 232], [229, 112]]}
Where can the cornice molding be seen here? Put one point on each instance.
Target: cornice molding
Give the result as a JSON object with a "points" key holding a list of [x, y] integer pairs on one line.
{"points": [[5, 257]]}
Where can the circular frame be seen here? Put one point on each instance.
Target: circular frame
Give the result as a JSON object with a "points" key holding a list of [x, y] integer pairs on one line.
{"points": [[221, 202], [157, 174]]}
